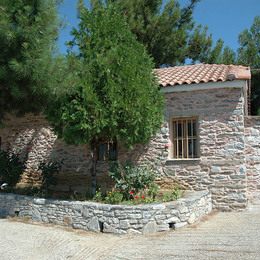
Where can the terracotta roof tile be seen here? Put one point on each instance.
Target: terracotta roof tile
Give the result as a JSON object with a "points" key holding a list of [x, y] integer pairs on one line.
{"points": [[201, 73]]}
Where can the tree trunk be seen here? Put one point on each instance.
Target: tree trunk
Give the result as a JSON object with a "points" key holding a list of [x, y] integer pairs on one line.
{"points": [[94, 172]]}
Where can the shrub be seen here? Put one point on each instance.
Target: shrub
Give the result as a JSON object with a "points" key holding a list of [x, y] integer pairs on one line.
{"points": [[128, 177], [98, 196], [176, 192], [11, 168], [114, 197], [49, 171], [153, 191]]}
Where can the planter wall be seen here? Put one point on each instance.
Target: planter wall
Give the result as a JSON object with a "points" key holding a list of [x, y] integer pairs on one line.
{"points": [[118, 219]]}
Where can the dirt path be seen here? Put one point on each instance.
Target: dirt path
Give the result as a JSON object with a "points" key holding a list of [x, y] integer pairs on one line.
{"points": [[234, 235]]}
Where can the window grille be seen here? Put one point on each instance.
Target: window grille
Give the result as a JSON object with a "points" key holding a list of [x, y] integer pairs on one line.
{"points": [[184, 138], [107, 151]]}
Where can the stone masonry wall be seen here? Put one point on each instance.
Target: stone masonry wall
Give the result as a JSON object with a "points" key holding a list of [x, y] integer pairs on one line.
{"points": [[220, 168], [221, 165], [118, 219], [34, 132], [252, 138]]}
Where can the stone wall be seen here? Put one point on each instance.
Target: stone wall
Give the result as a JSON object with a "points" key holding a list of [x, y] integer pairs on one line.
{"points": [[252, 138], [35, 133], [118, 219], [220, 167]]}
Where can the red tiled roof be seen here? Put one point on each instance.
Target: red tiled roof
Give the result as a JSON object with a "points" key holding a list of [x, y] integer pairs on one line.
{"points": [[201, 73]]}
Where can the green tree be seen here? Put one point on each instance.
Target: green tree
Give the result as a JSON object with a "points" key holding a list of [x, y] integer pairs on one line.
{"points": [[228, 56], [220, 55], [249, 55], [28, 32], [167, 32], [249, 52], [115, 95]]}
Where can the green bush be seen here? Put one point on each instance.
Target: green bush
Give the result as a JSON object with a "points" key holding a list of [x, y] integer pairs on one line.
{"points": [[114, 197], [11, 168], [176, 192], [130, 179], [49, 173]]}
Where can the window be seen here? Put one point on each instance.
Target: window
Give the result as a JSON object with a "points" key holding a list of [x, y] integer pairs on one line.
{"points": [[184, 138], [107, 151]]}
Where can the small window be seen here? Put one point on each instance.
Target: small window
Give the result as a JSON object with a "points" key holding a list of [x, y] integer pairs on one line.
{"points": [[107, 151], [184, 138]]}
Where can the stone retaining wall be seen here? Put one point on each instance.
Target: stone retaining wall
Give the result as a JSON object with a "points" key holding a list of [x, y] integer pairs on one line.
{"points": [[118, 219]]}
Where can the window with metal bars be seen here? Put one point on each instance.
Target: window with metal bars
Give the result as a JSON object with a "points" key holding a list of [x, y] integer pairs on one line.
{"points": [[184, 138], [107, 151]]}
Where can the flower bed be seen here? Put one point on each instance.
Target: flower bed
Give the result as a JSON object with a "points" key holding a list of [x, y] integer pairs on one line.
{"points": [[118, 219]]}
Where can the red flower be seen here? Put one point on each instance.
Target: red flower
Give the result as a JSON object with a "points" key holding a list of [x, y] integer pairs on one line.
{"points": [[27, 148], [136, 197], [166, 146], [143, 197], [131, 192]]}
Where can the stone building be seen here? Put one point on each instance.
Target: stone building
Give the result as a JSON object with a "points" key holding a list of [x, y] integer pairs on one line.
{"points": [[208, 140]]}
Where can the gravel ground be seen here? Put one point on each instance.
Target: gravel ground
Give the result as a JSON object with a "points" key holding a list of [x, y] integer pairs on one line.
{"points": [[233, 235]]}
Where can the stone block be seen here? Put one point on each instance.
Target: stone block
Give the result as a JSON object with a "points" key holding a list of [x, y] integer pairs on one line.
{"points": [[109, 229], [150, 228], [202, 202], [36, 216], [39, 201], [215, 169], [173, 220], [192, 218], [180, 225], [93, 225], [184, 210], [124, 224], [148, 214], [135, 216], [132, 231]]}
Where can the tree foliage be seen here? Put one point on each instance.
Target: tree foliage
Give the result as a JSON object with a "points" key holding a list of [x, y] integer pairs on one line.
{"points": [[115, 95], [28, 32], [249, 52], [249, 55], [168, 32], [220, 55]]}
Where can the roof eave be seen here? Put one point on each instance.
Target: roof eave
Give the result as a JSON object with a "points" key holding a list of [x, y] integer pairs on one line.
{"points": [[238, 83]]}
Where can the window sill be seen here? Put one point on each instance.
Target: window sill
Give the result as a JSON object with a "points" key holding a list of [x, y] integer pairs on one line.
{"points": [[183, 160]]}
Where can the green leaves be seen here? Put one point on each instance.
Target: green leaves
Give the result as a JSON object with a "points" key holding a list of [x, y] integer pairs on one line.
{"points": [[116, 95], [11, 168], [28, 69], [167, 32], [130, 179], [249, 52]]}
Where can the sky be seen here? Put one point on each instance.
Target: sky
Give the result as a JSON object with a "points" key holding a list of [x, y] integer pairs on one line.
{"points": [[225, 18]]}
